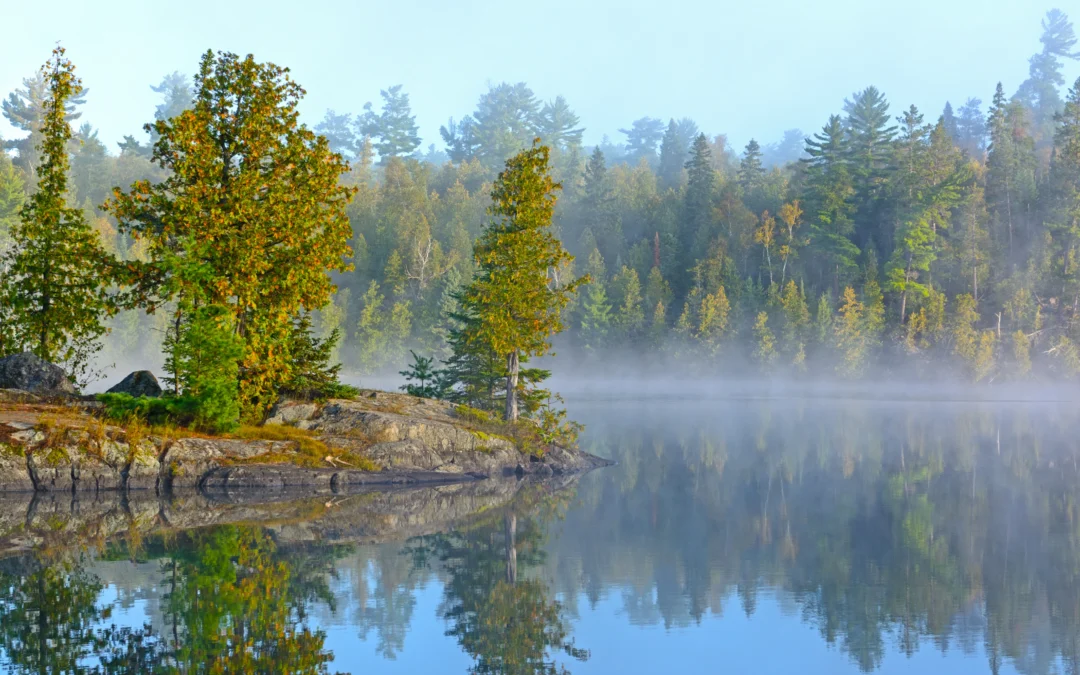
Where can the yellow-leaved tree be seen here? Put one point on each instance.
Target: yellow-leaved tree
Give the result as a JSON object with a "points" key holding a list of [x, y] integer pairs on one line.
{"points": [[251, 219], [514, 303]]}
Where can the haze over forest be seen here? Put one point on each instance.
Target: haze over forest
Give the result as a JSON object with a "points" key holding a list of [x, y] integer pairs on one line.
{"points": [[923, 243]]}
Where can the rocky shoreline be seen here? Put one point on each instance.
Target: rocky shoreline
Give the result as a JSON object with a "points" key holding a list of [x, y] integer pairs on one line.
{"points": [[59, 445], [360, 514]]}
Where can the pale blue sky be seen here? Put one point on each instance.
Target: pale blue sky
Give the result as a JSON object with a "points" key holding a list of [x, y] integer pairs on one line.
{"points": [[741, 68]]}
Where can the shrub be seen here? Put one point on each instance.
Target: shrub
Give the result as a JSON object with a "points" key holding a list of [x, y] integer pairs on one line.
{"points": [[311, 377]]}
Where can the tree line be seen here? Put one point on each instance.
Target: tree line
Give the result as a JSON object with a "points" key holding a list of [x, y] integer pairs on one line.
{"points": [[890, 241], [233, 241]]}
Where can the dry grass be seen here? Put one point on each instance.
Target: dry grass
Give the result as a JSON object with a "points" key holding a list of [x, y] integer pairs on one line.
{"points": [[310, 452]]}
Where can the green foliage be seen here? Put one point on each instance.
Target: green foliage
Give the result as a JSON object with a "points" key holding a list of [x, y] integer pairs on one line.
{"points": [[394, 128], [170, 410], [55, 287], [312, 373], [382, 330], [425, 376], [514, 305], [203, 364], [251, 216]]}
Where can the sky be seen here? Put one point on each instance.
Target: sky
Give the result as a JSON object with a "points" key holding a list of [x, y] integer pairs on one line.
{"points": [[747, 69]]}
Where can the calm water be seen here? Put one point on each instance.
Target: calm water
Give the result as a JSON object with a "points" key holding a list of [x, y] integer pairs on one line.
{"points": [[735, 536]]}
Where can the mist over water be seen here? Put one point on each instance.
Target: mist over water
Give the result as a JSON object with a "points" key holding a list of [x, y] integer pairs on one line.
{"points": [[836, 531]]}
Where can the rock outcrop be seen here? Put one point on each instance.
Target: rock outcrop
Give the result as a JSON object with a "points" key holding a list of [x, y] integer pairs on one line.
{"points": [[26, 372], [406, 433], [138, 383], [414, 441]]}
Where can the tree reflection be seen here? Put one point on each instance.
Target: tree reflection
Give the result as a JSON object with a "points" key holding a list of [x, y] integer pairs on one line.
{"points": [[48, 616], [890, 526], [234, 604], [509, 625]]}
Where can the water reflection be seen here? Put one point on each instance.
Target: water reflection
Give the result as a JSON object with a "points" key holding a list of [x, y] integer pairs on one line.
{"points": [[888, 529]]}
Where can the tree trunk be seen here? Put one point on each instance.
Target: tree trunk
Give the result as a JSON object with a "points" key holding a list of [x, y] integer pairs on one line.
{"points": [[511, 386], [510, 523]]}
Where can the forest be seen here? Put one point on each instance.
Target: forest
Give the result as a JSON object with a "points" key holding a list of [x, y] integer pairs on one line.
{"points": [[890, 242]]}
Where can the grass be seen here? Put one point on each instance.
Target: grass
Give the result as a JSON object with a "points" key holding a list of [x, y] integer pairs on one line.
{"points": [[310, 451], [524, 434]]}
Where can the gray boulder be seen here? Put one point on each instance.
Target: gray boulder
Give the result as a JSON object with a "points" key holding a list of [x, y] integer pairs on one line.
{"points": [[139, 383], [27, 372]]}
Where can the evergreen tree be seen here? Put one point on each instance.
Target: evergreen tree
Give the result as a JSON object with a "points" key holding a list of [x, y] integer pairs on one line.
{"points": [[1039, 92], [751, 171], [933, 190], [516, 306], [394, 128], [698, 202], [56, 273], [1010, 180], [278, 224], [89, 167], [12, 197], [829, 195], [643, 138], [1063, 194], [506, 120], [595, 316], [25, 109], [177, 96], [629, 311], [558, 126], [671, 157], [971, 129], [950, 122], [675, 146], [869, 148], [338, 130], [598, 209]]}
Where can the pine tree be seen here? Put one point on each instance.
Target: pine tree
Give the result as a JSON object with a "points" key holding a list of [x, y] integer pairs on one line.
{"points": [[394, 128], [339, 134], [1010, 179], [949, 120], [277, 227], [177, 95], [829, 194], [595, 316], [558, 126], [697, 203], [1039, 93], [869, 149], [971, 129], [506, 120], [1063, 194], [751, 170], [823, 320], [643, 138], [57, 274], [932, 187], [517, 307], [25, 109], [629, 311]]}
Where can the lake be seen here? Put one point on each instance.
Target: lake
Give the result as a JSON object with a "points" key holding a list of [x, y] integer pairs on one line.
{"points": [[813, 535]]}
